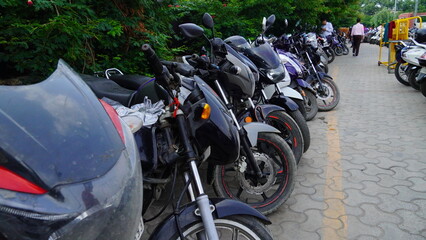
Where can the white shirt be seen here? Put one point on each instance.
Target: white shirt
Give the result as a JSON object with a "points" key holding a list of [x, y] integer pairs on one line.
{"points": [[358, 29], [328, 29]]}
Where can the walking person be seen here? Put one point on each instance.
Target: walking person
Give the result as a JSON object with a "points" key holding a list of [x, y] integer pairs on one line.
{"points": [[357, 36]]}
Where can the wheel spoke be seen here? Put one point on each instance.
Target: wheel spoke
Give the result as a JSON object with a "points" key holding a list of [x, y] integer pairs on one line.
{"points": [[264, 196], [235, 233]]}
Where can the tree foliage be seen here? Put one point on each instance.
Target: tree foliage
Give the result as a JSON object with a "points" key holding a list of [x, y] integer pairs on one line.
{"points": [[92, 35]]}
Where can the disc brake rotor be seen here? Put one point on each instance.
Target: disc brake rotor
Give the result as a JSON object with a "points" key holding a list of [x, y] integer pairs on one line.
{"points": [[325, 94], [268, 168]]}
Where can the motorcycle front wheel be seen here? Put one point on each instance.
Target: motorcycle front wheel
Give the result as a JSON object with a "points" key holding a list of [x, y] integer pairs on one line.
{"points": [[290, 131], [331, 55], [338, 51], [232, 227], [412, 78], [311, 105], [423, 88], [267, 193], [345, 50], [400, 74], [328, 96]]}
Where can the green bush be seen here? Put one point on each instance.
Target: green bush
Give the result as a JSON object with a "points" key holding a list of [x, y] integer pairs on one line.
{"points": [[90, 35]]}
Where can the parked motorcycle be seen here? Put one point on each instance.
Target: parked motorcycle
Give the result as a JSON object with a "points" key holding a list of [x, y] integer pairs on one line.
{"points": [[328, 95], [270, 88], [195, 127], [295, 71], [249, 179], [408, 66], [69, 166], [420, 40]]}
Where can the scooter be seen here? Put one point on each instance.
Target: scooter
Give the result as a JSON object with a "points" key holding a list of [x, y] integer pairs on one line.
{"points": [[409, 54], [194, 127]]}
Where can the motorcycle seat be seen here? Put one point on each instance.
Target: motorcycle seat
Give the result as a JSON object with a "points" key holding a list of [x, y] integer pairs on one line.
{"points": [[132, 82], [103, 87], [142, 84]]}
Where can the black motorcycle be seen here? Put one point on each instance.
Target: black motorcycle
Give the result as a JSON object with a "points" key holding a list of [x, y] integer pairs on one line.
{"points": [[263, 176], [271, 73], [194, 128]]}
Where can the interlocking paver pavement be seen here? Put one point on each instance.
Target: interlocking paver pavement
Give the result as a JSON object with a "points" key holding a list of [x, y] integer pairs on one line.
{"points": [[364, 176], [380, 169]]}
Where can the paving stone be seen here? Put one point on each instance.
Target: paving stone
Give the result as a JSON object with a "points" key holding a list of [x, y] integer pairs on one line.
{"points": [[409, 218], [292, 230], [421, 203], [389, 181], [374, 216], [356, 198], [313, 222], [390, 204], [372, 189], [419, 184], [304, 202], [392, 231], [356, 228], [406, 194]]}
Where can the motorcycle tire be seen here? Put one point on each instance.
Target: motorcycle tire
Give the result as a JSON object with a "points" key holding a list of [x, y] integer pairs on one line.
{"points": [[273, 155], [301, 106], [338, 51], [345, 50], [331, 55], [329, 97], [311, 105], [324, 57], [400, 74], [246, 227], [412, 78], [301, 122], [322, 67], [290, 131]]}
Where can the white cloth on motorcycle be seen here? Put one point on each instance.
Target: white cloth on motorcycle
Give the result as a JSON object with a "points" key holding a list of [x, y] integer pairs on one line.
{"points": [[142, 114]]}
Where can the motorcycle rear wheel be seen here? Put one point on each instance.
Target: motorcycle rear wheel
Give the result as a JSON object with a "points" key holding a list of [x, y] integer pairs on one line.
{"points": [[231, 227], [265, 194]]}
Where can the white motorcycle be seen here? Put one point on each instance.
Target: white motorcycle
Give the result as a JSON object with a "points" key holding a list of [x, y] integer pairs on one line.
{"points": [[410, 55]]}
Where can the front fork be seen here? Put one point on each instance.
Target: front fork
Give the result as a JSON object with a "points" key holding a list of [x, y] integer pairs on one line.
{"points": [[321, 86], [243, 135], [202, 199]]}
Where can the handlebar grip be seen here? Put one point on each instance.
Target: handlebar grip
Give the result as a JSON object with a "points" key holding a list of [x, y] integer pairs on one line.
{"points": [[153, 60]]}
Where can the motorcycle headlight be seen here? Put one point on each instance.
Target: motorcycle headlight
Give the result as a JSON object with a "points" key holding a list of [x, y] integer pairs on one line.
{"points": [[276, 74]]}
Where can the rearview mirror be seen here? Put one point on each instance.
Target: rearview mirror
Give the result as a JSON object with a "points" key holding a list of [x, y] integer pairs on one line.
{"points": [[286, 22], [208, 21], [264, 24], [191, 30], [270, 21]]}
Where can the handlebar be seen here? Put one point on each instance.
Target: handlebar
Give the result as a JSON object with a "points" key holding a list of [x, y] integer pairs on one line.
{"points": [[153, 60]]}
